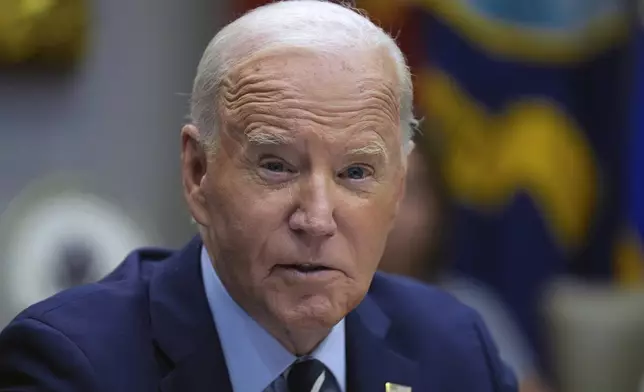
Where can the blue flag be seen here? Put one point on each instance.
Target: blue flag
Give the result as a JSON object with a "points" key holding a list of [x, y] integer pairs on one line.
{"points": [[630, 258], [526, 97]]}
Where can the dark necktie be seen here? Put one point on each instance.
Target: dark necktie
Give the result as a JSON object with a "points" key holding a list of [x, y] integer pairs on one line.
{"points": [[311, 375]]}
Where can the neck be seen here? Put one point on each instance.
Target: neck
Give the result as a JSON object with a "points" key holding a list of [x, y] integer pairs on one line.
{"points": [[298, 341]]}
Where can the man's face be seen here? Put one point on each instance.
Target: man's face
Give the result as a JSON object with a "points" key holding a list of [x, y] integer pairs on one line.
{"points": [[302, 190]]}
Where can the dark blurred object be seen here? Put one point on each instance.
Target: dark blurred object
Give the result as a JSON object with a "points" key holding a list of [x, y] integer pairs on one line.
{"points": [[76, 265], [42, 32]]}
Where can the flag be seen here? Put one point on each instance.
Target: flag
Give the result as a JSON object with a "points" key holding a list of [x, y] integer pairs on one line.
{"points": [[526, 98], [630, 256]]}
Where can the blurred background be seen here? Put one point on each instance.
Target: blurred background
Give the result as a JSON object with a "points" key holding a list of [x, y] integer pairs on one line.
{"points": [[526, 191]]}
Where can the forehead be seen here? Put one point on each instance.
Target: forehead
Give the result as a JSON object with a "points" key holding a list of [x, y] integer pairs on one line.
{"points": [[296, 89], [308, 70]]}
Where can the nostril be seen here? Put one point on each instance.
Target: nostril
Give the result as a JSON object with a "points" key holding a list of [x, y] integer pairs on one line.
{"points": [[298, 232]]}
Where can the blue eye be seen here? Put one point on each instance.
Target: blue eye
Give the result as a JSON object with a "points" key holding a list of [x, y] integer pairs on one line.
{"points": [[274, 166], [355, 172]]}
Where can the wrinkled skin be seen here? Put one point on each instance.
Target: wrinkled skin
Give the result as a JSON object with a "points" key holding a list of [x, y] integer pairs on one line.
{"points": [[308, 169]]}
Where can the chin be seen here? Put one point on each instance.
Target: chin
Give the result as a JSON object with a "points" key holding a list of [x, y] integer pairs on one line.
{"points": [[313, 311]]}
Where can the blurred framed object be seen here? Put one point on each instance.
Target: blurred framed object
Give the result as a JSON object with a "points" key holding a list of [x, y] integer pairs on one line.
{"points": [[42, 32], [57, 234], [596, 338]]}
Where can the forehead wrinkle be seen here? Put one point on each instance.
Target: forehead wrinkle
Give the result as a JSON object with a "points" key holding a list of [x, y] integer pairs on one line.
{"points": [[290, 114], [377, 106], [290, 95], [389, 100], [280, 84], [356, 105], [256, 97], [270, 128], [261, 73], [256, 88], [267, 106]]}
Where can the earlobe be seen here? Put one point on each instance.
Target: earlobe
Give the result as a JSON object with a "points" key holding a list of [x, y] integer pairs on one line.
{"points": [[193, 169]]}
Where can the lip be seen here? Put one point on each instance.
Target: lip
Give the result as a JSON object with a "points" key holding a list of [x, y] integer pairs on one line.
{"points": [[310, 265], [292, 273]]}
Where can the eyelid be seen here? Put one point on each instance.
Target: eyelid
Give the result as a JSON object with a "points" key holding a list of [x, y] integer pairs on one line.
{"points": [[361, 164], [272, 158]]}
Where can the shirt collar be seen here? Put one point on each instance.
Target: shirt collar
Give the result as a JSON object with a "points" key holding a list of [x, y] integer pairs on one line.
{"points": [[250, 350]]}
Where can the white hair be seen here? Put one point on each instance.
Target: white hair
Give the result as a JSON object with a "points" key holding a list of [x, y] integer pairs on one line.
{"points": [[313, 24]]}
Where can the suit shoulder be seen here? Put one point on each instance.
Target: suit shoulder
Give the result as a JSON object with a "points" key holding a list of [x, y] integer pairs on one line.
{"points": [[423, 314], [400, 296], [124, 288], [431, 326]]}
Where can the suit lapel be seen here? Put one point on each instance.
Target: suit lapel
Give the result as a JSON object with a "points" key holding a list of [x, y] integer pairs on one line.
{"points": [[371, 362], [183, 329]]}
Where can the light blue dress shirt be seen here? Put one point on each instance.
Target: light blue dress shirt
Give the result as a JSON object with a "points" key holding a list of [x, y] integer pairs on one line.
{"points": [[255, 359]]}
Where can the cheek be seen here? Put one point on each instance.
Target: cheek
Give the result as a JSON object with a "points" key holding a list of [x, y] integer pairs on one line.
{"points": [[244, 220], [367, 226]]}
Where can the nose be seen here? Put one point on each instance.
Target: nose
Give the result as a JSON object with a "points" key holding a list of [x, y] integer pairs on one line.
{"points": [[314, 215]]}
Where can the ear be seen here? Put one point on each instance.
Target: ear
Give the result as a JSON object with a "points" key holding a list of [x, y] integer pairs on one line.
{"points": [[194, 163]]}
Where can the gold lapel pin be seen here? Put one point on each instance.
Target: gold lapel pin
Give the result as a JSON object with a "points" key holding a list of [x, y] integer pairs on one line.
{"points": [[391, 387]]}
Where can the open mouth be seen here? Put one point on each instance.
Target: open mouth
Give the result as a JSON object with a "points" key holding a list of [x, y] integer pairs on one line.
{"points": [[305, 268]]}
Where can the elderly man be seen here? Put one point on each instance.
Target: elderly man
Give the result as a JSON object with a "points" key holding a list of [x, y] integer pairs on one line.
{"points": [[293, 167]]}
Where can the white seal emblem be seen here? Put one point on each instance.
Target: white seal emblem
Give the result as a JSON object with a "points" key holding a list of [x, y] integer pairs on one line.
{"points": [[51, 242]]}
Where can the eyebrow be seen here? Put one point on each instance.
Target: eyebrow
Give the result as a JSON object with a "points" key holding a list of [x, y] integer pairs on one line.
{"points": [[372, 148], [375, 148], [263, 137]]}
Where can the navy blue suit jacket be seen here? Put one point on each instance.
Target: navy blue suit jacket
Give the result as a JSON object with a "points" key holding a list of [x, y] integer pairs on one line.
{"points": [[148, 327]]}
